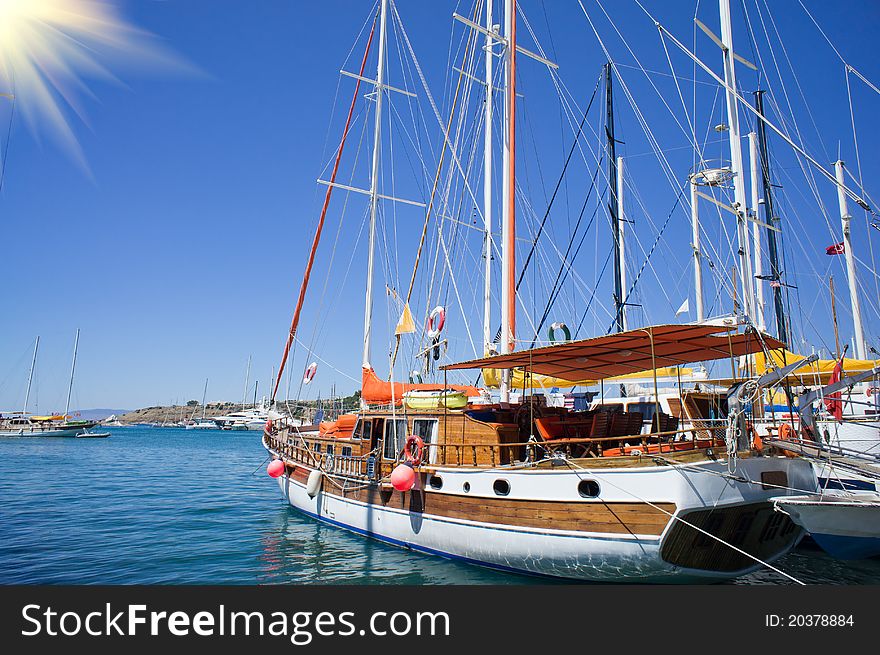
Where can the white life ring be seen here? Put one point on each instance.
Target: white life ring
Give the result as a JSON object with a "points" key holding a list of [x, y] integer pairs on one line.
{"points": [[309, 374], [438, 314]]}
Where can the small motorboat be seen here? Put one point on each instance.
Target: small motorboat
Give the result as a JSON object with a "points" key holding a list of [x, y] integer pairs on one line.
{"points": [[845, 525], [93, 435], [447, 398]]}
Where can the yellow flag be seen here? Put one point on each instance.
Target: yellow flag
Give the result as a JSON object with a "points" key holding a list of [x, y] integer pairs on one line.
{"points": [[406, 323]]}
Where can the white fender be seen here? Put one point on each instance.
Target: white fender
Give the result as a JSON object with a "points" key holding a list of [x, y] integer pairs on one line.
{"points": [[313, 484]]}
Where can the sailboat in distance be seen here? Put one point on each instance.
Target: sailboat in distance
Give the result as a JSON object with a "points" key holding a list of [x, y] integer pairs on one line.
{"points": [[24, 424], [203, 423], [508, 481]]}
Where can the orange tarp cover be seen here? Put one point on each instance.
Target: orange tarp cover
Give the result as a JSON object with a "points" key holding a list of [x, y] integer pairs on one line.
{"points": [[634, 351], [376, 391], [341, 428]]}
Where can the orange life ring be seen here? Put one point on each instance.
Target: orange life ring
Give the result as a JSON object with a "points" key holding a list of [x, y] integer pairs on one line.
{"points": [[413, 440], [310, 371], [870, 391]]}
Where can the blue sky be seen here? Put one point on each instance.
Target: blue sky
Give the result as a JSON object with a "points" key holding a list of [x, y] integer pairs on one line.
{"points": [[180, 254]]}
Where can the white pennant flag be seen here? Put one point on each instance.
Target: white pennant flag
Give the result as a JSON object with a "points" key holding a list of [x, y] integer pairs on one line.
{"points": [[684, 309]]}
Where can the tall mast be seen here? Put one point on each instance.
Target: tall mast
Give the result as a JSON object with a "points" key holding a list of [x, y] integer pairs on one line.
{"points": [[72, 368], [27, 394], [204, 397], [771, 220], [374, 181], [756, 231], [845, 218], [621, 249], [739, 191], [508, 231], [612, 195], [487, 185], [695, 245], [247, 376]]}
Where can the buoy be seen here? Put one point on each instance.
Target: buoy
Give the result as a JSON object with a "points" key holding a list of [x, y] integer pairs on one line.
{"points": [[403, 477], [313, 484], [275, 468], [310, 371], [438, 313], [558, 326], [412, 449]]}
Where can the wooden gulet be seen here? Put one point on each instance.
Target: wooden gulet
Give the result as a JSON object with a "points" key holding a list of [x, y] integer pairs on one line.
{"points": [[600, 496]]}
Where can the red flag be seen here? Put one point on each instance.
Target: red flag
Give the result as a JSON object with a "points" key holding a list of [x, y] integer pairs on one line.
{"points": [[776, 284], [833, 403], [836, 249]]}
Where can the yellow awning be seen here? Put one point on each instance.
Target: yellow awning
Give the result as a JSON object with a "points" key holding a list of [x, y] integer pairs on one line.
{"points": [[819, 372]]}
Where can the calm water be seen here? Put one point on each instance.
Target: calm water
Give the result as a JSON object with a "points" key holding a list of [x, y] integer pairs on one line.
{"points": [[161, 505]]}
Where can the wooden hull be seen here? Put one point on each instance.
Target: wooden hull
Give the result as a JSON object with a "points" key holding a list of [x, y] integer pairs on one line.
{"points": [[630, 533]]}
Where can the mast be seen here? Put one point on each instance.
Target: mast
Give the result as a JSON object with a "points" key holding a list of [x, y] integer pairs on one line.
{"points": [[612, 195], [834, 317], [72, 368], [845, 218], [621, 249], [695, 245], [247, 376], [374, 181], [27, 394], [508, 231], [756, 231], [204, 397], [745, 266], [771, 220], [487, 185]]}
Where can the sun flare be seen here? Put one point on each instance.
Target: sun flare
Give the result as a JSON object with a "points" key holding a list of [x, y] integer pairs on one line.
{"points": [[49, 48]]}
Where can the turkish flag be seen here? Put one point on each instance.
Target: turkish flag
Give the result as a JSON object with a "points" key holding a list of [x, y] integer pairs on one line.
{"points": [[836, 249]]}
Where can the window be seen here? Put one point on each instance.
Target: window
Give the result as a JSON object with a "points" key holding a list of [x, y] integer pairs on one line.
{"points": [[588, 488], [427, 429], [317, 447], [329, 448], [436, 482], [395, 436], [647, 409], [363, 429], [346, 451], [501, 487]]}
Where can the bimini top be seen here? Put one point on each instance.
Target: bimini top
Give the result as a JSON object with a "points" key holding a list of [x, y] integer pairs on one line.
{"points": [[629, 352]]}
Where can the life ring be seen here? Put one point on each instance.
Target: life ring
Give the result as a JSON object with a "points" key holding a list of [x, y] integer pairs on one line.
{"points": [[870, 391], [310, 371], [415, 378], [438, 314], [558, 326], [413, 440]]}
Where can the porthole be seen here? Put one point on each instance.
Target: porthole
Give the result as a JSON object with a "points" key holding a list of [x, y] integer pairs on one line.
{"points": [[466, 486], [436, 482], [501, 487], [588, 488]]}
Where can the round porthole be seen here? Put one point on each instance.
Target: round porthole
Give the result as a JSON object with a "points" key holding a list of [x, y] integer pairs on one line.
{"points": [[436, 482], [588, 488], [466, 486], [501, 487]]}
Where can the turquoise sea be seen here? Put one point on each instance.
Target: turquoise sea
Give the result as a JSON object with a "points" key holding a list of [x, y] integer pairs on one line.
{"points": [[174, 506]]}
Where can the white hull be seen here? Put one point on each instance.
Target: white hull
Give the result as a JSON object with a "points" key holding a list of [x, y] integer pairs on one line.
{"points": [[38, 432], [847, 526], [599, 557]]}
